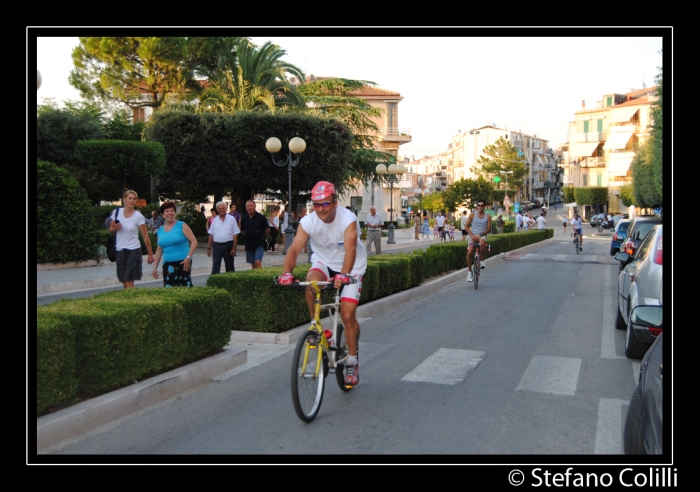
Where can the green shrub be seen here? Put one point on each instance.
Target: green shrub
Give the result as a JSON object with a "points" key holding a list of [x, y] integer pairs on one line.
{"points": [[124, 335], [56, 378], [65, 229]]}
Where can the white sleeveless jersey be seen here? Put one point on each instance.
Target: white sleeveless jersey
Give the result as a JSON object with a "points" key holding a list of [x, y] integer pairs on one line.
{"points": [[328, 240]]}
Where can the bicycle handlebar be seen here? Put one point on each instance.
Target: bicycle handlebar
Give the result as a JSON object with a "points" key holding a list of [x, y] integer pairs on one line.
{"points": [[321, 283]]}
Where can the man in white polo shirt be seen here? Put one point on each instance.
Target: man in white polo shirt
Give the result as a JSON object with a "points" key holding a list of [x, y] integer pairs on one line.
{"points": [[223, 239], [374, 224]]}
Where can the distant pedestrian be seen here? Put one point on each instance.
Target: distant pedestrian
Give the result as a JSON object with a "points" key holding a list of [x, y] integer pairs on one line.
{"points": [[417, 225], [155, 222], [426, 225], [274, 228], [519, 221], [452, 232], [500, 223], [284, 224], [435, 230], [541, 221], [463, 226], [235, 214], [223, 239], [374, 223], [440, 222], [564, 221], [255, 230], [211, 218]]}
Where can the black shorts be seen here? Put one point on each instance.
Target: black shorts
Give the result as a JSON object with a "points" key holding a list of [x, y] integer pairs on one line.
{"points": [[129, 265]]}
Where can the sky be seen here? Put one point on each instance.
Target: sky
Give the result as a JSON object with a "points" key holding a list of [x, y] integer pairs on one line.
{"points": [[529, 84]]}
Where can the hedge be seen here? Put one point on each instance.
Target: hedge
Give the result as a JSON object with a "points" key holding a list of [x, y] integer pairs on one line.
{"points": [[115, 338]]}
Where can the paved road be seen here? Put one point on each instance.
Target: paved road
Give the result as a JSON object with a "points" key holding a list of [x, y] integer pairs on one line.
{"points": [[521, 366]]}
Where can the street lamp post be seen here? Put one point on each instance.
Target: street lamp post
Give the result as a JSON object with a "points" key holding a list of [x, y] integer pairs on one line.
{"points": [[391, 176], [296, 146], [506, 173], [506, 196]]}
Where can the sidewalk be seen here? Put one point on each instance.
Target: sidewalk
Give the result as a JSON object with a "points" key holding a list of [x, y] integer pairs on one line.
{"points": [[51, 279]]}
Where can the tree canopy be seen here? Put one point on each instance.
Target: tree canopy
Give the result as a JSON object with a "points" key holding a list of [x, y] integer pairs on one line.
{"points": [[502, 156], [224, 154], [466, 192]]}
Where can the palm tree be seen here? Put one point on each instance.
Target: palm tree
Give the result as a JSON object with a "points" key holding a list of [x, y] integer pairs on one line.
{"points": [[236, 95], [263, 67]]}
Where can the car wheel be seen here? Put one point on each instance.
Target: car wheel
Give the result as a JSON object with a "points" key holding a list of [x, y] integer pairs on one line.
{"points": [[634, 349], [613, 251], [633, 433]]}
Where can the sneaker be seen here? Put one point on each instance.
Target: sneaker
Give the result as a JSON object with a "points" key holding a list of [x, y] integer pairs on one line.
{"points": [[470, 277], [352, 376], [483, 264]]}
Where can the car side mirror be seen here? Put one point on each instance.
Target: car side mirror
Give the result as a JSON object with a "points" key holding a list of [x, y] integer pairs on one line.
{"points": [[647, 316], [622, 256]]}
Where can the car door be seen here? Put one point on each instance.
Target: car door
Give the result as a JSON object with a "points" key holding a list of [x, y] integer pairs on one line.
{"points": [[628, 274]]}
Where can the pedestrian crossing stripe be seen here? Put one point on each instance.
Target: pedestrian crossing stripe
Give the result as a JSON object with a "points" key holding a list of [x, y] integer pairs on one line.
{"points": [[446, 366]]}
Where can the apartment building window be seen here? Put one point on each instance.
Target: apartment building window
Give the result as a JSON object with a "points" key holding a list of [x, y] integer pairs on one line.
{"points": [[391, 118], [585, 126], [600, 179], [585, 180], [609, 101], [599, 125]]}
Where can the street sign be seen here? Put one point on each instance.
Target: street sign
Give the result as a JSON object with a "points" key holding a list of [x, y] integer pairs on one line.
{"points": [[409, 210], [516, 207]]}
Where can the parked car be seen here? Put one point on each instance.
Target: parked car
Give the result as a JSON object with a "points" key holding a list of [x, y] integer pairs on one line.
{"points": [[617, 218], [619, 235], [526, 205], [597, 220], [640, 283], [636, 232], [644, 423]]}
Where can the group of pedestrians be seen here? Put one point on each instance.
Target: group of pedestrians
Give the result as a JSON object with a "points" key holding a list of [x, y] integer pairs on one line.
{"points": [[526, 222]]}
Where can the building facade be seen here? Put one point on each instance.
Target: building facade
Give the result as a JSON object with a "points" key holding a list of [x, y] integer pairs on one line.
{"points": [[604, 139]]}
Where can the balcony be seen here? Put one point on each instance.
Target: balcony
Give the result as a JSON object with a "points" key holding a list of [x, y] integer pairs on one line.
{"points": [[400, 135], [590, 137], [593, 162]]}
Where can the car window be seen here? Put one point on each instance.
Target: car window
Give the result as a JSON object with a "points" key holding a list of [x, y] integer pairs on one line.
{"points": [[641, 229], [624, 226], [645, 247]]}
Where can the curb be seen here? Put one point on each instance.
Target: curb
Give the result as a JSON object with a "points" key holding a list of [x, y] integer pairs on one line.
{"points": [[110, 406]]}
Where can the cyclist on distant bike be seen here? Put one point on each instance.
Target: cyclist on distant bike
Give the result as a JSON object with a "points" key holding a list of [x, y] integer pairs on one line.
{"points": [[480, 223], [337, 249], [576, 223]]}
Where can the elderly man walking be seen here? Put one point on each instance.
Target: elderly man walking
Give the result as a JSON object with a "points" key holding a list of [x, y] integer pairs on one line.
{"points": [[374, 224], [223, 239]]}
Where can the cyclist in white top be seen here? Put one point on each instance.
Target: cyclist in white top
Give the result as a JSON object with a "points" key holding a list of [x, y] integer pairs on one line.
{"points": [[337, 250], [576, 223]]}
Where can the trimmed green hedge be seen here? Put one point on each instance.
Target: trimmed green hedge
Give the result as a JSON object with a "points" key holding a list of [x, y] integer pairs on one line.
{"points": [[114, 338]]}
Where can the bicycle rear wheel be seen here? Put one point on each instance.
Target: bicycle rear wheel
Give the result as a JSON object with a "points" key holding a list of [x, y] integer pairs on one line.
{"points": [[342, 351], [307, 386]]}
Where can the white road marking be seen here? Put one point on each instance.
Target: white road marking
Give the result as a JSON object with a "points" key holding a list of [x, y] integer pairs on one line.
{"points": [[608, 436], [607, 346], [560, 257], [446, 366], [548, 374]]}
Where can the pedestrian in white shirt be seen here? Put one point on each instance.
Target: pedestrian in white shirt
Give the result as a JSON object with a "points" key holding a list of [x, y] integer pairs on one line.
{"points": [[374, 223]]}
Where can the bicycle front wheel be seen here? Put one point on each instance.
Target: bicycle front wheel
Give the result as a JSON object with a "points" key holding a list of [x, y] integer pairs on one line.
{"points": [[477, 270], [342, 351], [309, 369], [576, 243]]}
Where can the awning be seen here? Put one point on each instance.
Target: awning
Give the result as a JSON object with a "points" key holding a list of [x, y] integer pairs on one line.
{"points": [[584, 149], [617, 140], [618, 164], [572, 204], [622, 114]]}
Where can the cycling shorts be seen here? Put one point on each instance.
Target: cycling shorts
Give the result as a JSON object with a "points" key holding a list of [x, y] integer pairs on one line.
{"points": [[349, 292], [579, 231], [471, 241]]}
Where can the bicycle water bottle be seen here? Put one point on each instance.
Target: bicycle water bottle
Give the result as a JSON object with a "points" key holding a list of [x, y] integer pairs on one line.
{"points": [[329, 336]]}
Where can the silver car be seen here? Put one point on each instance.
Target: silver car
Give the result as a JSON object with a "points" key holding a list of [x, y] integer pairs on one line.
{"points": [[639, 284]]}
